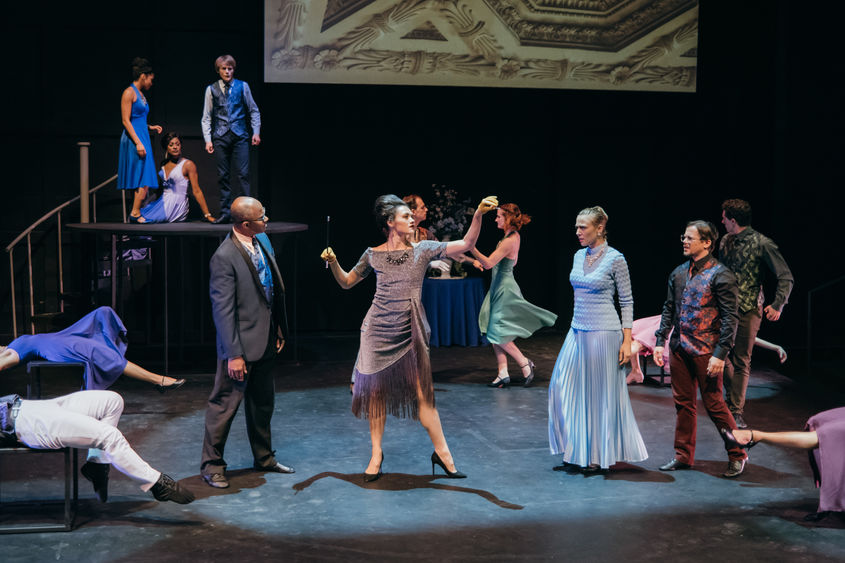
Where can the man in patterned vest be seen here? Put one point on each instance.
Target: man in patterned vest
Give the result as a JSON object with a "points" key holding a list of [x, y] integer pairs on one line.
{"points": [[224, 127], [701, 307], [745, 251]]}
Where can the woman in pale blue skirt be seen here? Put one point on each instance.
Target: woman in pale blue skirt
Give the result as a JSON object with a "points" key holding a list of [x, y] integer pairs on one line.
{"points": [[591, 422]]}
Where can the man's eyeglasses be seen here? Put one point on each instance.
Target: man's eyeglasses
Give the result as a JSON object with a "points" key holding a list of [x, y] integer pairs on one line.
{"points": [[685, 238]]}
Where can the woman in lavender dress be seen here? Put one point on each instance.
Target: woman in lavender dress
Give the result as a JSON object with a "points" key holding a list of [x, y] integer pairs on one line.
{"points": [[392, 372], [591, 422], [823, 437]]}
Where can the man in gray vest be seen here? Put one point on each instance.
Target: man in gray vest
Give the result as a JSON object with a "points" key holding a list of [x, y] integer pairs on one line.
{"points": [[225, 130]]}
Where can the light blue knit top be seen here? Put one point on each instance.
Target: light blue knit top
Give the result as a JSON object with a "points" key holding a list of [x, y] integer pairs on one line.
{"points": [[595, 289]]}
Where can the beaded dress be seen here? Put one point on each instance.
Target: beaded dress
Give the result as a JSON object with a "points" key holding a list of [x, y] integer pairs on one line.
{"points": [[393, 357]]}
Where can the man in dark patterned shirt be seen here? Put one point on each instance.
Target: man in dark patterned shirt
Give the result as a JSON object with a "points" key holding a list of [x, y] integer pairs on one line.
{"points": [[745, 251], [701, 308]]}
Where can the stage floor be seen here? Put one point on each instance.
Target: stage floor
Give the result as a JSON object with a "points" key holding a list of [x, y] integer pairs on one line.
{"points": [[512, 506]]}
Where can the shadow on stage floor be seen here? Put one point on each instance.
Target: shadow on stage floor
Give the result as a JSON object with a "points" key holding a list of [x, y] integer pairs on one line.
{"points": [[513, 505]]}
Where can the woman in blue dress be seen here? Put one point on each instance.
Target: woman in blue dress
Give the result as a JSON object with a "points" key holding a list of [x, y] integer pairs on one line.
{"points": [[136, 168], [97, 340], [177, 175], [505, 314], [591, 422]]}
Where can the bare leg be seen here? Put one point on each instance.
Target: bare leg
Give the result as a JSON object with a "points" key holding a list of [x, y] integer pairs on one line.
{"points": [[802, 440], [8, 358], [501, 363], [140, 195], [376, 434], [430, 420], [636, 375], [137, 372], [512, 351]]}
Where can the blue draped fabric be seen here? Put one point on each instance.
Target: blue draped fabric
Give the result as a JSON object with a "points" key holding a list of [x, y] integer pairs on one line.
{"points": [[452, 307]]}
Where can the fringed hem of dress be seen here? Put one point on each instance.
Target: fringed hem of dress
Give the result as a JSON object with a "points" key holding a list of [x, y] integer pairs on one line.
{"points": [[394, 389]]}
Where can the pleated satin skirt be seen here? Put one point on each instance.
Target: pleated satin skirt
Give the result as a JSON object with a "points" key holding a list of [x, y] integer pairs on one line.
{"points": [[590, 416]]}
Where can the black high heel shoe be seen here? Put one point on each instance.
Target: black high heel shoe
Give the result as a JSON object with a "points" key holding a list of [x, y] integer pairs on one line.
{"points": [[172, 387], [450, 474], [500, 383], [731, 442], [530, 377], [370, 477]]}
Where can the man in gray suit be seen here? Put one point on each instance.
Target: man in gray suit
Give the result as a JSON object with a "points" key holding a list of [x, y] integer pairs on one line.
{"points": [[247, 302]]}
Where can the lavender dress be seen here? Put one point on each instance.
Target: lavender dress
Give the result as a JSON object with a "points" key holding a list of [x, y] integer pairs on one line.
{"points": [[393, 358], [828, 460]]}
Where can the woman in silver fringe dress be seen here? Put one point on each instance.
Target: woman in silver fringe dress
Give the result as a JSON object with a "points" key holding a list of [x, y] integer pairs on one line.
{"points": [[392, 372]]}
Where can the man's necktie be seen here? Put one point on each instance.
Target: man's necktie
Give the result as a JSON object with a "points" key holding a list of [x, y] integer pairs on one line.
{"points": [[260, 263]]}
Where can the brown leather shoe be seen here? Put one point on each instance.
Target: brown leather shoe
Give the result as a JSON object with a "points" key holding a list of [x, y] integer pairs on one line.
{"points": [[216, 480], [736, 468]]}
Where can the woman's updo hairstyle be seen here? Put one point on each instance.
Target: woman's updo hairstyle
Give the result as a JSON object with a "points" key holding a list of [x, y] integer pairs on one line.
{"points": [[140, 66], [385, 209], [514, 218], [597, 217]]}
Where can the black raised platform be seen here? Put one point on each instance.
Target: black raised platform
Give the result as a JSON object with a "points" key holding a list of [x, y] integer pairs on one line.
{"points": [[199, 228]]}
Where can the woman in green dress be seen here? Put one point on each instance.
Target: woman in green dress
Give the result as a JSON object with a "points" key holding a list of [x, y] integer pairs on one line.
{"points": [[505, 314]]}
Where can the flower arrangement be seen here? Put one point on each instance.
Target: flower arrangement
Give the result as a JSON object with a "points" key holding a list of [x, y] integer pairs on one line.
{"points": [[447, 216]]}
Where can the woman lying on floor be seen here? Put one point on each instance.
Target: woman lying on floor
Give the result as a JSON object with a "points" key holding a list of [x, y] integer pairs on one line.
{"points": [[98, 340]]}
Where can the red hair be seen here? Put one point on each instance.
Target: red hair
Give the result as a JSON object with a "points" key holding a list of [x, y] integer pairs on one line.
{"points": [[514, 218]]}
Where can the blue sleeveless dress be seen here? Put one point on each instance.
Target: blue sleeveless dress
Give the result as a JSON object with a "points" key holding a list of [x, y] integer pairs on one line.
{"points": [[505, 314], [133, 171], [98, 340]]}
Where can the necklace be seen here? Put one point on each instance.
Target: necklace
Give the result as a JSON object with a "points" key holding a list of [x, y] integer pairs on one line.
{"points": [[396, 261], [591, 259]]}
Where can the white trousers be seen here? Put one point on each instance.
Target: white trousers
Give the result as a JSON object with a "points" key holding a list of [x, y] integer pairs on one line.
{"points": [[85, 419]]}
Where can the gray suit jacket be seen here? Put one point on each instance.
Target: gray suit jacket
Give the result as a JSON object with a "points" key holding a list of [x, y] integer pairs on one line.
{"points": [[242, 315]]}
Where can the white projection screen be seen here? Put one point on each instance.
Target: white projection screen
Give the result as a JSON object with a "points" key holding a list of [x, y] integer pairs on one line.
{"points": [[581, 44]]}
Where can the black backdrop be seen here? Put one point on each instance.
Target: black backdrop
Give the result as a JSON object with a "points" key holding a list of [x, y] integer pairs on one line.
{"points": [[765, 125]]}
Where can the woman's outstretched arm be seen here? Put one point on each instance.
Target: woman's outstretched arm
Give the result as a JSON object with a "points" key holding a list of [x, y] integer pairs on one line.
{"points": [[344, 279], [457, 247]]}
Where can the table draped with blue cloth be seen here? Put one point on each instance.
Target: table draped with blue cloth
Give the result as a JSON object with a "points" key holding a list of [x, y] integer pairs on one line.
{"points": [[452, 306]]}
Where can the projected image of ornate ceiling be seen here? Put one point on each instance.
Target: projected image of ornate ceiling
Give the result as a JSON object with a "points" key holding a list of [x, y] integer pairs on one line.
{"points": [[584, 44]]}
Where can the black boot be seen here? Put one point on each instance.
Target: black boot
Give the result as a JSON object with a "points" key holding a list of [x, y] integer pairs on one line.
{"points": [[168, 489], [98, 474]]}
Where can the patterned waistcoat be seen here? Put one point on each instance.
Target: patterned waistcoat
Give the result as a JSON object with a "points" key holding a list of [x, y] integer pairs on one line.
{"points": [[698, 317], [228, 111]]}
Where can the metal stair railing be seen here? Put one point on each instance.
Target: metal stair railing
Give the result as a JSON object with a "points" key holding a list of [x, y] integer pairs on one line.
{"points": [[83, 198]]}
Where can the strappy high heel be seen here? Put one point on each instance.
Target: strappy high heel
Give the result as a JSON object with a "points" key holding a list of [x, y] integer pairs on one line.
{"points": [[450, 474], [731, 441], [530, 377], [370, 477]]}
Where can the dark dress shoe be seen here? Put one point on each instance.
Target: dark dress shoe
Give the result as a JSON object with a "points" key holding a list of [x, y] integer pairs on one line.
{"points": [[675, 465], [216, 480], [735, 468], [740, 422], [275, 468], [98, 474], [223, 219], [168, 489]]}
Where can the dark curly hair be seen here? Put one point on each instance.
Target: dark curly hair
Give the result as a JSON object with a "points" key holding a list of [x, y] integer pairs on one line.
{"points": [[385, 208], [140, 66], [739, 210]]}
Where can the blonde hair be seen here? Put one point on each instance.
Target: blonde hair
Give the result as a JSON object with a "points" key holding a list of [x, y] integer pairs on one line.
{"points": [[597, 216]]}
